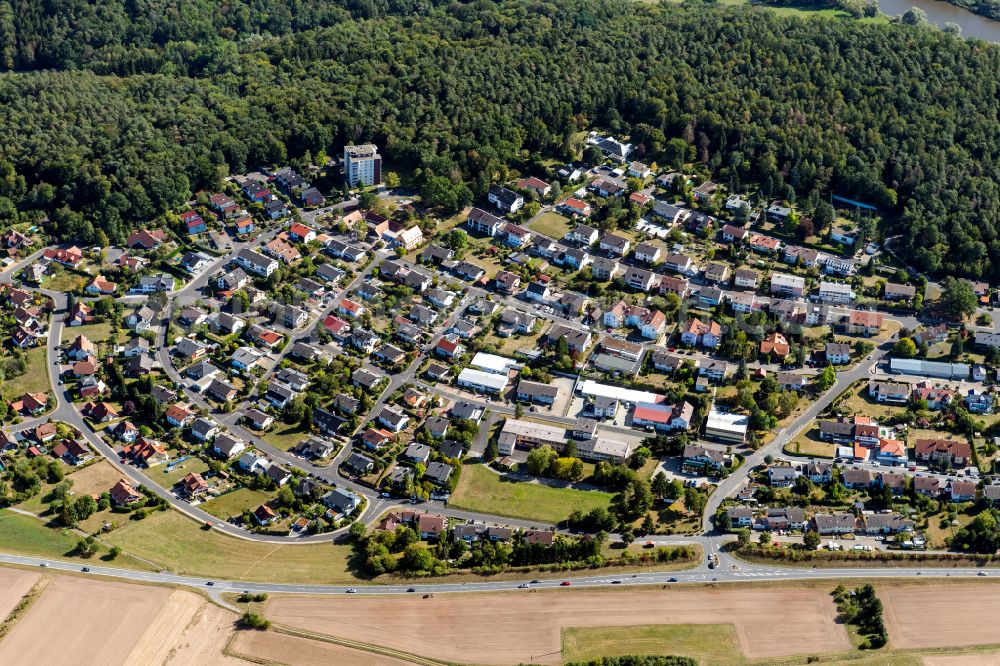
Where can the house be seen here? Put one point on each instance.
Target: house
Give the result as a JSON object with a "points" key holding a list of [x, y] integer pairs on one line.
{"points": [[178, 416], [979, 403], [836, 292], [864, 323], [857, 479], [341, 500], [149, 453], [194, 485], [774, 345], [787, 285], [536, 392], [764, 244], [537, 291], [221, 391], [891, 392], [264, 515], [946, 451], [739, 516], [843, 236], [30, 404], [577, 340], [745, 278], [837, 353], [417, 453], [449, 347], [349, 308], [438, 473], [101, 286], [278, 474], [506, 282], [479, 221], [257, 419], [125, 431], [604, 268], [839, 267], [124, 493], [255, 262], [393, 419], [892, 452], [790, 381], [695, 332], [79, 314], [146, 240], [615, 246], [195, 262], [573, 206], [639, 278], [607, 187], [650, 254], [782, 477], [359, 463], [283, 251], [301, 233], [834, 523], [193, 223], [700, 458], [536, 185], [936, 398], [506, 200], [929, 486], [661, 416]]}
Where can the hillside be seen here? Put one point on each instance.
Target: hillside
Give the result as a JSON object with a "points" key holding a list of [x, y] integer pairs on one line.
{"points": [[132, 119]]}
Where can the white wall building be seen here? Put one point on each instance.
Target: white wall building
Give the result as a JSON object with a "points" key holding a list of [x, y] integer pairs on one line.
{"points": [[362, 165]]}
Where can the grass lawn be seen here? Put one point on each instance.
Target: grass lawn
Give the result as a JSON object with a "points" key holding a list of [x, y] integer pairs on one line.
{"points": [[35, 378], [65, 280], [480, 489], [94, 332], [708, 643], [808, 443], [510, 345], [550, 224], [168, 477], [285, 436], [29, 536], [233, 504], [855, 400], [182, 546]]}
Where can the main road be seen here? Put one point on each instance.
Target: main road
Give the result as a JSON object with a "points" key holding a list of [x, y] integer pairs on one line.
{"points": [[736, 573]]}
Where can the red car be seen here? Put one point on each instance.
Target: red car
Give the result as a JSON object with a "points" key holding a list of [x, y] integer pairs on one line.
{"points": [[565, 583]]}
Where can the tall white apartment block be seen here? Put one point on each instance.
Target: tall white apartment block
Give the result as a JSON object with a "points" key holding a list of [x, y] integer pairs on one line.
{"points": [[362, 165]]}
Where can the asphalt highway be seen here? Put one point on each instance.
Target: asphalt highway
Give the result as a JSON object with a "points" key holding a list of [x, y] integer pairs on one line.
{"points": [[733, 573]]}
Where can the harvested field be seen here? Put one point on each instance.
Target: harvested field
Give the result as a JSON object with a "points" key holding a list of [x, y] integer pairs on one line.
{"points": [[273, 647], [477, 628], [965, 618], [117, 623], [983, 659], [14, 584]]}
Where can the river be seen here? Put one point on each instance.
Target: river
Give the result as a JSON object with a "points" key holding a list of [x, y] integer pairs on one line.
{"points": [[939, 13]]}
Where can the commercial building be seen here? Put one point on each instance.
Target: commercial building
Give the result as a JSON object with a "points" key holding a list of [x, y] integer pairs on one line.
{"points": [[726, 426], [941, 370], [483, 382]]}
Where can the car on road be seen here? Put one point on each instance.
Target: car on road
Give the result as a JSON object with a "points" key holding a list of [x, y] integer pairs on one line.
{"points": [[351, 590], [982, 573], [384, 495], [44, 564], [565, 583], [523, 586], [85, 570], [616, 582], [672, 580], [411, 589], [210, 584], [535, 582]]}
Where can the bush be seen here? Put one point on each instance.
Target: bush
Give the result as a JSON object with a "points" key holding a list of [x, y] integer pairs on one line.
{"points": [[252, 620]]}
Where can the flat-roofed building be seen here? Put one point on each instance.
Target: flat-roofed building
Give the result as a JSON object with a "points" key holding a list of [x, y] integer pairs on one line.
{"points": [[484, 382], [726, 426]]}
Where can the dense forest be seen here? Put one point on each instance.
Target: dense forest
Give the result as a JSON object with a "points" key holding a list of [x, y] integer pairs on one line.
{"points": [[120, 109]]}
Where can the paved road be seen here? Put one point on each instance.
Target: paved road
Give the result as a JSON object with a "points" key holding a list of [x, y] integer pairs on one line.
{"points": [[741, 574]]}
